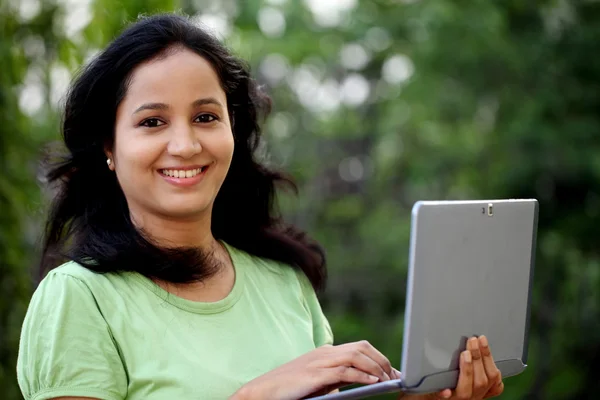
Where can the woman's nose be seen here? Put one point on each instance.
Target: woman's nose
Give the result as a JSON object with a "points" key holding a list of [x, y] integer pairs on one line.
{"points": [[184, 142]]}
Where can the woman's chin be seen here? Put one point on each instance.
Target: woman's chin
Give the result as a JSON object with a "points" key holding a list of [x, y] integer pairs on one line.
{"points": [[186, 211]]}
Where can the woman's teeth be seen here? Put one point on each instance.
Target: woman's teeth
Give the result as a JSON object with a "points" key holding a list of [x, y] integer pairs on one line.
{"points": [[188, 173]]}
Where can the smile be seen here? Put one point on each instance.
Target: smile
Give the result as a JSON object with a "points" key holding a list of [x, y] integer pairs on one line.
{"points": [[180, 173], [184, 178]]}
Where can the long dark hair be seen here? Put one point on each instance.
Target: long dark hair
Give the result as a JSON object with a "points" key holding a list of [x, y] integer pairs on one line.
{"points": [[89, 220]]}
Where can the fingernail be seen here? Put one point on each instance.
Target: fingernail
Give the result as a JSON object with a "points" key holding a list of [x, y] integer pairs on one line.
{"points": [[446, 395], [467, 357], [386, 376], [483, 341], [398, 373], [373, 378]]}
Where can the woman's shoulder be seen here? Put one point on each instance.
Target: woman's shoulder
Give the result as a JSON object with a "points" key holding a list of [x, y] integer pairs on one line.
{"points": [[74, 270], [66, 347], [266, 272], [261, 265], [72, 274]]}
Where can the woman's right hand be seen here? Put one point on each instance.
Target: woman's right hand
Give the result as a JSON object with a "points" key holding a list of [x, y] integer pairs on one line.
{"points": [[320, 371]]}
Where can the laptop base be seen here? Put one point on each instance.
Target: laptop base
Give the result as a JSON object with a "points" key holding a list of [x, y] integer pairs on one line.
{"points": [[391, 386]]}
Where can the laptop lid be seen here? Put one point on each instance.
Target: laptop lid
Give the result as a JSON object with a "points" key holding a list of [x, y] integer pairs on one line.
{"points": [[470, 273]]}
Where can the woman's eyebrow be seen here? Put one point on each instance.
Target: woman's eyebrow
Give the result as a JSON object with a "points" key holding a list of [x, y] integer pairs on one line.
{"points": [[207, 100], [163, 106], [151, 106]]}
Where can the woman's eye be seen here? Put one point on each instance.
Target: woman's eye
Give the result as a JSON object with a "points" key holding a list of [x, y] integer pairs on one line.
{"points": [[151, 123], [206, 118]]}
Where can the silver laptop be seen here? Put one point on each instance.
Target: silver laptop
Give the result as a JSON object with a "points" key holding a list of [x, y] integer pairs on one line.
{"points": [[470, 274]]}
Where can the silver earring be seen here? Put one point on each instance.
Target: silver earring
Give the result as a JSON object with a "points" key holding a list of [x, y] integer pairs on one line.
{"points": [[108, 161]]}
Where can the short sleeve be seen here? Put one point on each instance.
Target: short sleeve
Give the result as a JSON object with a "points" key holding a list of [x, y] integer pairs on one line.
{"points": [[66, 347], [322, 333]]}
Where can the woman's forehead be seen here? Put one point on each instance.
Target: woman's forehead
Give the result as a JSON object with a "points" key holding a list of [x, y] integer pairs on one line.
{"points": [[181, 74]]}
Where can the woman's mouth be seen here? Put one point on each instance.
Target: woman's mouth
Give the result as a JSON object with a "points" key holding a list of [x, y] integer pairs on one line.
{"points": [[183, 173], [183, 177]]}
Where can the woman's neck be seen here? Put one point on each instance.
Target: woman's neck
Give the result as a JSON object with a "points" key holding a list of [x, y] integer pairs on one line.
{"points": [[177, 232], [192, 232]]}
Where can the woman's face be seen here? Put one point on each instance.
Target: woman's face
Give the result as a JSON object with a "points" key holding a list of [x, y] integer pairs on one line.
{"points": [[173, 138]]}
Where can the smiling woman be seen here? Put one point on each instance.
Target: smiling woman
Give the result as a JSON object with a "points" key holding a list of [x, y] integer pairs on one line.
{"points": [[173, 144], [167, 273], [180, 102]]}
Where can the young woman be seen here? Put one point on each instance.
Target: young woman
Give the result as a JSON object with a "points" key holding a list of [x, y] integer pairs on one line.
{"points": [[180, 280]]}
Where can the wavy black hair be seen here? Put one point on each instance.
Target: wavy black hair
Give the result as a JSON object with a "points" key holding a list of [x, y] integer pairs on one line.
{"points": [[89, 219]]}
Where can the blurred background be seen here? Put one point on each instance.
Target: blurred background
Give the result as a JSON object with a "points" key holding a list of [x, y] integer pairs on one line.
{"points": [[377, 104]]}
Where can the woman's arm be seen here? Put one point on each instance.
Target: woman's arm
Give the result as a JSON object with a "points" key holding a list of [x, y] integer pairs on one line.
{"points": [[322, 370], [66, 348]]}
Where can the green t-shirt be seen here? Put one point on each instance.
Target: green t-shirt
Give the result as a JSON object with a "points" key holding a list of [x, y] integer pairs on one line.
{"points": [[120, 336]]}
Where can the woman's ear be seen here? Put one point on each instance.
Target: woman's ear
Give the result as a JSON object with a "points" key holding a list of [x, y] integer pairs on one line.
{"points": [[110, 162]]}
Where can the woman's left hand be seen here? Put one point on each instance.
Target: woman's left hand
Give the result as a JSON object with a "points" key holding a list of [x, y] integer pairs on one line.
{"points": [[479, 377]]}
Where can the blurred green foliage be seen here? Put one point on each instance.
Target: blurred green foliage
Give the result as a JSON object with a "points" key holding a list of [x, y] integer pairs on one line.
{"points": [[377, 104]]}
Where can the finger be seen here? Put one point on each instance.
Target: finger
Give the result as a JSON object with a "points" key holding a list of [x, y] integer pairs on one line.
{"points": [[445, 394], [480, 379], [357, 359], [367, 349], [464, 387], [336, 377], [493, 373], [496, 390]]}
